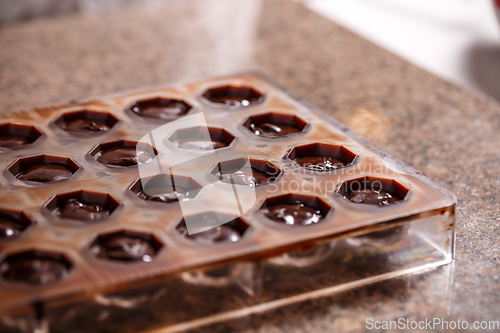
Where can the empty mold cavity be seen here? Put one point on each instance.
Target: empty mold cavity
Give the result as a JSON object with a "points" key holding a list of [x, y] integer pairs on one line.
{"points": [[43, 168], [160, 108], [35, 267], [275, 125], [201, 138], [229, 232], [86, 122], [321, 156], [233, 95], [123, 153], [125, 245], [295, 209], [13, 223], [85, 206], [246, 172], [165, 188], [373, 191], [14, 135]]}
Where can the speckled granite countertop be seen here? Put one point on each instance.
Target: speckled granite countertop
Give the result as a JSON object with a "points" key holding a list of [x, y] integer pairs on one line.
{"points": [[449, 133]]}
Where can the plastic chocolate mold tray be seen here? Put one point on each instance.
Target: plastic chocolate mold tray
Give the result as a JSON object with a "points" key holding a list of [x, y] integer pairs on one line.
{"points": [[107, 248]]}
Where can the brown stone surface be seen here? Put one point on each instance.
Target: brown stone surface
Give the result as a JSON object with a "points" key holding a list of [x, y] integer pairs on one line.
{"points": [[449, 133]]}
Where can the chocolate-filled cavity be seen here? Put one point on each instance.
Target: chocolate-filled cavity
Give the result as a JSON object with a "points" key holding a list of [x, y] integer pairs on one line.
{"points": [[245, 177], [35, 268], [376, 197], [45, 173], [9, 227], [126, 246], [321, 156], [14, 135], [219, 234], [165, 188], [123, 156], [201, 138], [233, 96], [373, 191], [274, 125], [86, 122], [161, 108], [75, 209], [167, 194], [294, 214]]}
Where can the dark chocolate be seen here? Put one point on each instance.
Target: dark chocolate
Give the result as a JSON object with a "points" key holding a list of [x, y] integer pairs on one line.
{"points": [[219, 234], [167, 194], [123, 156], [124, 248], [44, 173], [320, 163], [294, 214], [246, 177], [269, 130], [11, 141], [377, 197], [163, 109], [36, 271], [9, 227], [85, 126], [74, 209]]}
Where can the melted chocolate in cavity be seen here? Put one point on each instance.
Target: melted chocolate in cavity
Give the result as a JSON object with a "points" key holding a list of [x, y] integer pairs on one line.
{"points": [[200, 144], [125, 248], [34, 271], [378, 197], [11, 141], [166, 194], [294, 214], [234, 100], [161, 109], [74, 209], [269, 130], [219, 234], [320, 163], [123, 156], [44, 173], [85, 126], [246, 177], [9, 227]]}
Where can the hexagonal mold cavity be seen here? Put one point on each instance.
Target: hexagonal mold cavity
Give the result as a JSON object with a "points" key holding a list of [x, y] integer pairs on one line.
{"points": [[84, 206], [274, 125], [159, 108], [166, 188], [13, 223], [233, 96], [86, 122], [14, 135], [240, 172], [43, 168], [123, 153], [373, 191], [201, 138], [35, 267], [228, 232], [295, 209], [125, 245], [321, 156]]}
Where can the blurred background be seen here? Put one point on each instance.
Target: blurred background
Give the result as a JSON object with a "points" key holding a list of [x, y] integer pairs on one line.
{"points": [[458, 40]]}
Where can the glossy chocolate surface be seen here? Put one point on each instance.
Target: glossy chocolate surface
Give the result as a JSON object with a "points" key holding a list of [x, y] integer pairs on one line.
{"points": [[200, 144], [246, 177], [44, 173], [84, 126], [125, 248], [219, 234], [377, 197], [294, 214], [75, 209], [123, 156], [319, 163], [32, 270], [9, 227], [167, 194], [162, 109], [270, 130], [11, 141]]}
